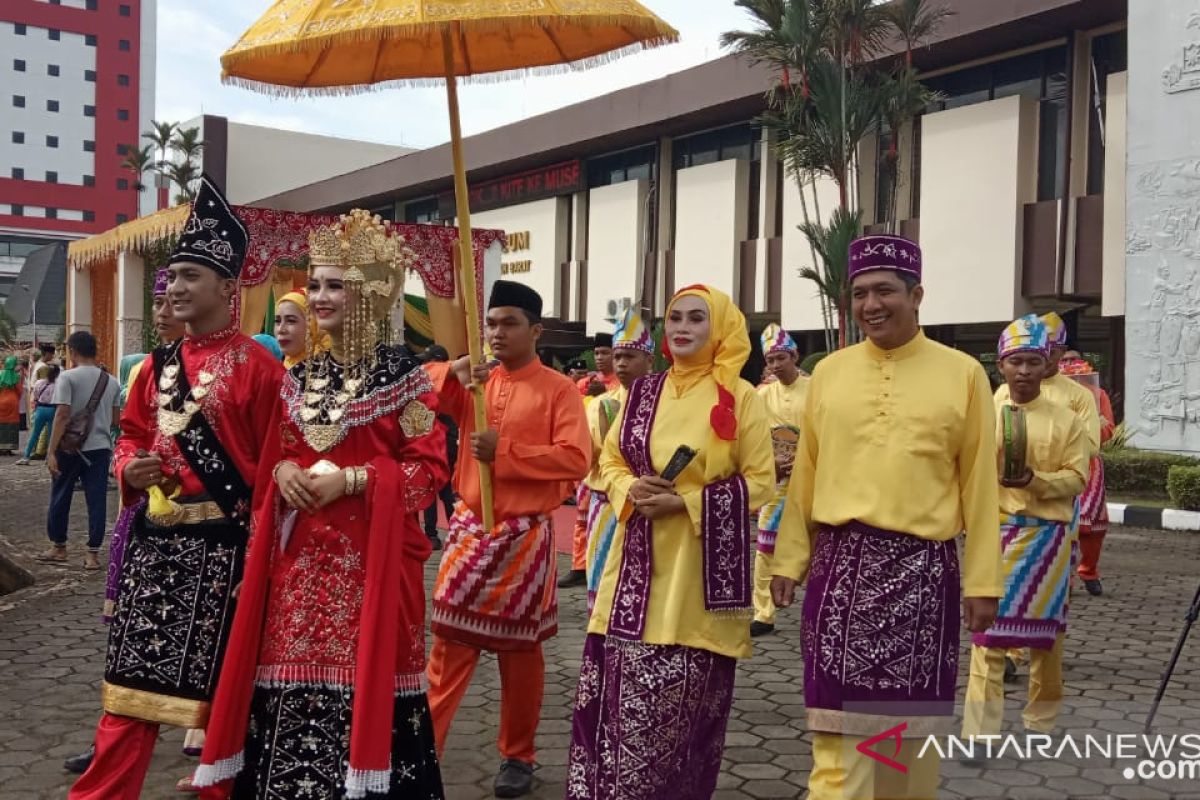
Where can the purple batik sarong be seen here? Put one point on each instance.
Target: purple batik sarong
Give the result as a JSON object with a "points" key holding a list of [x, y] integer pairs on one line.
{"points": [[880, 628], [116, 558], [649, 721], [724, 529]]}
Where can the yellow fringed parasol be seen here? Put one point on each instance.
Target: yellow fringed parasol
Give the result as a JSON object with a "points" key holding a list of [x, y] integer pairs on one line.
{"points": [[348, 46]]}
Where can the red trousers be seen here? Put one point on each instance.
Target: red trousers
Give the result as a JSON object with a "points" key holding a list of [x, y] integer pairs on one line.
{"points": [[124, 747], [522, 679], [1089, 554], [579, 543]]}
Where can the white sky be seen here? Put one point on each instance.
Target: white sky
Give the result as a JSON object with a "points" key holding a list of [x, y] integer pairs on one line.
{"points": [[192, 34]]}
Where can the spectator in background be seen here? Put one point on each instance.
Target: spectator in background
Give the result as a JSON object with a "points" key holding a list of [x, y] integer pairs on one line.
{"points": [[72, 392], [11, 388], [435, 353], [43, 412], [269, 342]]}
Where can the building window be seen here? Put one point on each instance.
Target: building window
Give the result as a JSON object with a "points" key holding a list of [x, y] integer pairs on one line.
{"points": [[1110, 55], [18, 210], [93, 5], [51, 141], [124, 46], [19, 30], [630, 165], [89, 146], [52, 106], [422, 212], [90, 40], [123, 114], [122, 183], [89, 75], [122, 218], [18, 137], [53, 70], [122, 149], [51, 213], [18, 65], [51, 177], [18, 101], [18, 174], [89, 180], [89, 216], [55, 34], [89, 111], [124, 10], [122, 80]]}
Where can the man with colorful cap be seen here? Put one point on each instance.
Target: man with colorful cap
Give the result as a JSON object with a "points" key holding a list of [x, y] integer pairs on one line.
{"points": [[784, 396], [896, 458], [192, 436], [1045, 453], [603, 381], [633, 357], [495, 589]]}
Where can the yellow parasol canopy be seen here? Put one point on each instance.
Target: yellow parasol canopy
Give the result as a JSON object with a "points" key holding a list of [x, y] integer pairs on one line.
{"points": [[344, 45], [347, 46]]}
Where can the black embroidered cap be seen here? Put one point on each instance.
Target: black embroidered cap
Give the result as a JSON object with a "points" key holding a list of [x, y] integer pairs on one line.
{"points": [[213, 236], [603, 340], [516, 295]]}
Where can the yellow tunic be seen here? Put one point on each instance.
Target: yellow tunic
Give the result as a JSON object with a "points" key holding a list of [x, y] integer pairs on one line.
{"points": [[593, 411], [785, 404], [676, 614], [903, 440], [1064, 391], [1057, 452]]}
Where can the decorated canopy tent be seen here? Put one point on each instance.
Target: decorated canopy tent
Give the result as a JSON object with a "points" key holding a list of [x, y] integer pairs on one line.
{"points": [[111, 274]]}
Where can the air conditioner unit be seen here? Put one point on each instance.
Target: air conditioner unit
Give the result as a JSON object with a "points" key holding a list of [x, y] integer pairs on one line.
{"points": [[617, 307]]}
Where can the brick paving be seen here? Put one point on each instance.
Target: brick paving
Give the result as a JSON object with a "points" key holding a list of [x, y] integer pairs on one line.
{"points": [[52, 652]]}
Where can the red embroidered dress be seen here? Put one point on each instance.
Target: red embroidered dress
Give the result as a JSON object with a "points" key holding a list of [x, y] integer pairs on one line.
{"points": [[325, 592]]}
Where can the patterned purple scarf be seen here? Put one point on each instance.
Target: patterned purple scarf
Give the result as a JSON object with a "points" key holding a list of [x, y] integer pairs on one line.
{"points": [[725, 528]]}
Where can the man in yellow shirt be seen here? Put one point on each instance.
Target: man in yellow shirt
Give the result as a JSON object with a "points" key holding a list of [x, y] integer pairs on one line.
{"points": [[784, 396], [1045, 468], [897, 457], [632, 357]]}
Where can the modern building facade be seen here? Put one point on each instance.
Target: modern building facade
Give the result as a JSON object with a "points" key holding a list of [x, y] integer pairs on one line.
{"points": [[1014, 185]]}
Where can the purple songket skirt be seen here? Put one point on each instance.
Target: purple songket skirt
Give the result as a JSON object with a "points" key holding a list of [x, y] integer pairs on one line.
{"points": [[879, 630], [649, 721], [116, 557]]}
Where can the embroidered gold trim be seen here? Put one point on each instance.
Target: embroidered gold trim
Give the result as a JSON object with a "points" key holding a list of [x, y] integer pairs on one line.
{"points": [[188, 514], [854, 723], [416, 419], [153, 707]]}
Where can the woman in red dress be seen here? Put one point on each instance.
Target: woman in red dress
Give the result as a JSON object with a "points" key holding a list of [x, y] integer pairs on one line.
{"points": [[323, 693]]}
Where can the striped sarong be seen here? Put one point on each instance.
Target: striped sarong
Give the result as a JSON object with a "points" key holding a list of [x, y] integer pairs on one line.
{"points": [[768, 521], [1093, 505], [1037, 561], [496, 590], [602, 529]]}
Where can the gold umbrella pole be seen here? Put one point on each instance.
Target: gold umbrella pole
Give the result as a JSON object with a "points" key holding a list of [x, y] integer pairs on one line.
{"points": [[466, 263]]}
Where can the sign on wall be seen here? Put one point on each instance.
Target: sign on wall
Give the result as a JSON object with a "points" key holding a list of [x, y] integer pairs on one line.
{"points": [[539, 184]]}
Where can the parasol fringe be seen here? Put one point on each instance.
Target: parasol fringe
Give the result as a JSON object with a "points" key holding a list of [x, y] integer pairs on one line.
{"points": [[483, 79], [658, 34]]}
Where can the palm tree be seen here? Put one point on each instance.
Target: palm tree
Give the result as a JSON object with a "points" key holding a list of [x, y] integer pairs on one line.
{"points": [[160, 136], [832, 243], [183, 174], [138, 160], [187, 144], [915, 21]]}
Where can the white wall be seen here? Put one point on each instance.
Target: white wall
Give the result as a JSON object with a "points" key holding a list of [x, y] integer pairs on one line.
{"points": [[266, 161], [801, 304], [72, 56], [147, 59], [711, 213], [547, 223], [977, 170], [616, 221], [1113, 278], [1162, 280]]}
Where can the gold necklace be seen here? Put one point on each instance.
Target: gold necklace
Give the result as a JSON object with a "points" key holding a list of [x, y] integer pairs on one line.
{"points": [[173, 423], [321, 396]]}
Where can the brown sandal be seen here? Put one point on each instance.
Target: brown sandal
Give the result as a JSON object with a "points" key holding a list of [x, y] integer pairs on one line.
{"points": [[185, 785], [57, 554]]}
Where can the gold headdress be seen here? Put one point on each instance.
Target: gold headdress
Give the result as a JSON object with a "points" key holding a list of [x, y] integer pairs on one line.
{"points": [[375, 259]]}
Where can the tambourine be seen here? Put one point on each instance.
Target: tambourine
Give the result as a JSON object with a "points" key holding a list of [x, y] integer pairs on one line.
{"points": [[1014, 441], [784, 439]]}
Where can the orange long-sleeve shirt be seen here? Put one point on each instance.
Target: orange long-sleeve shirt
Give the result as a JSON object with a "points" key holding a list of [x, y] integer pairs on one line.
{"points": [[544, 447]]}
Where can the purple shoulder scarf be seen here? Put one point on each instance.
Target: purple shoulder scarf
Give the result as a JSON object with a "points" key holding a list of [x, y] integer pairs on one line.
{"points": [[725, 528]]}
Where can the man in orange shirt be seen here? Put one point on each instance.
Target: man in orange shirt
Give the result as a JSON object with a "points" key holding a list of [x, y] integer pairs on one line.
{"points": [[495, 589]]}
